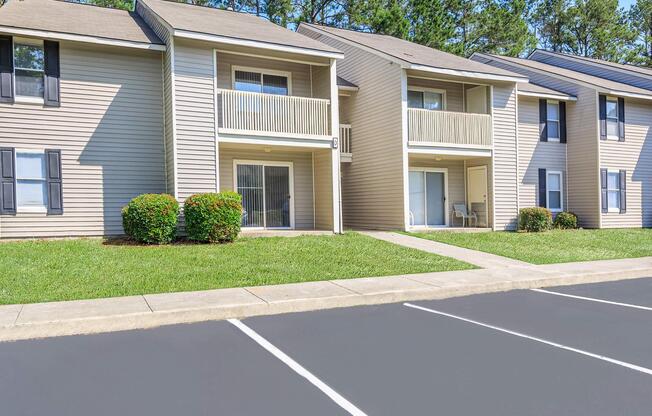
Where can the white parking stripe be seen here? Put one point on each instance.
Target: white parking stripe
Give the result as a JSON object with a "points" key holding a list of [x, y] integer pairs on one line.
{"points": [[627, 305], [335, 396], [543, 341]]}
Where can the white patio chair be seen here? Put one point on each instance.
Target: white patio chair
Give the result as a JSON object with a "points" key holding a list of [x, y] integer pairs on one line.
{"points": [[460, 211]]}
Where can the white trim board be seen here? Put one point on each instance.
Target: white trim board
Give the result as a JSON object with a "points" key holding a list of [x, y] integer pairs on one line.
{"points": [[187, 34], [44, 34]]}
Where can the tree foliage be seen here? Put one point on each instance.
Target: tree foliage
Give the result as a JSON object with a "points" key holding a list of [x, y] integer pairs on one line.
{"points": [[593, 28]]}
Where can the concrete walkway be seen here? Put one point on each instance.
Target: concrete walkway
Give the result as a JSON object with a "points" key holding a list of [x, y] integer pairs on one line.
{"points": [[135, 312], [478, 258]]}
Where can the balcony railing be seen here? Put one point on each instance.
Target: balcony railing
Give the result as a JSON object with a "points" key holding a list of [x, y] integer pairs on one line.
{"points": [[345, 143], [449, 128], [269, 114]]}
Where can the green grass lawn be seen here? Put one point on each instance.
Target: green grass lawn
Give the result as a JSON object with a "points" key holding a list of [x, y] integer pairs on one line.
{"points": [[558, 246], [39, 271]]}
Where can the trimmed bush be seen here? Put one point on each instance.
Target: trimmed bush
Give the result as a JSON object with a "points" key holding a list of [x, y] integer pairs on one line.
{"points": [[565, 221], [535, 219], [151, 218], [213, 218]]}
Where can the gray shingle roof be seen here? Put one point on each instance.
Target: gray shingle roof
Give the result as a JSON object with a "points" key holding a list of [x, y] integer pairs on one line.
{"points": [[638, 69], [75, 19], [555, 71], [413, 53], [341, 82], [230, 24]]}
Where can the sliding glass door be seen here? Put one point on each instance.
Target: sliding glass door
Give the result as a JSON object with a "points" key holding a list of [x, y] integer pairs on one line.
{"points": [[266, 194], [427, 197]]}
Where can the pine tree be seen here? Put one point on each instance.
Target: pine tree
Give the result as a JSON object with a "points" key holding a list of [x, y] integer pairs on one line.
{"points": [[431, 23], [641, 20], [502, 28], [387, 17], [551, 21]]}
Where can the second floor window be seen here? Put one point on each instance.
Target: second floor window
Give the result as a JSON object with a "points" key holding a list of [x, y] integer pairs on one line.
{"points": [[427, 100], [29, 67], [553, 120], [612, 118], [261, 82]]}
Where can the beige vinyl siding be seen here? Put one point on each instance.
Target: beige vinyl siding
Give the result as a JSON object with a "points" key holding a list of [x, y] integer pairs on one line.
{"points": [[582, 146], [534, 154], [300, 72], [372, 185], [635, 156], [321, 81], [454, 94], [109, 129], [504, 157], [602, 71], [163, 33], [323, 190], [195, 118], [302, 169]]}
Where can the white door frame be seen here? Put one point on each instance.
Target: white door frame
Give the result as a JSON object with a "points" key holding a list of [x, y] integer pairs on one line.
{"points": [[486, 191], [425, 192], [264, 163]]}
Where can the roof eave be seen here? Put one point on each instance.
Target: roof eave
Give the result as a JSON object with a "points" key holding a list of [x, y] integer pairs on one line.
{"points": [[626, 94], [347, 88], [256, 44], [559, 97], [468, 74], [81, 38]]}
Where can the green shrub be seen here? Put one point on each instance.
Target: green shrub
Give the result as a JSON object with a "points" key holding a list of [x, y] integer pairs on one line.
{"points": [[565, 221], [535, 219], [151, 218], [213, 218]]}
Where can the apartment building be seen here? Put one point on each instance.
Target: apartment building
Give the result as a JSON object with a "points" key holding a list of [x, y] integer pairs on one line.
{"points": [[587, 148], [431, 134], [100, 105]]}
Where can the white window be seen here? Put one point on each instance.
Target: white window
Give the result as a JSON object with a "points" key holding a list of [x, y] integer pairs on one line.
{"points": [[29, 67], [554, 191], [613, 191], [612, 118], [553, 120], [31, 184], [258, 81], [426, 99]]}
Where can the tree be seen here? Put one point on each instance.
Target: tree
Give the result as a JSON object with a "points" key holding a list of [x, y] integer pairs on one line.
{"points": [[641, 18], [431, 23], [386, 17], [551, 21], [600, 29], [502, 28]]}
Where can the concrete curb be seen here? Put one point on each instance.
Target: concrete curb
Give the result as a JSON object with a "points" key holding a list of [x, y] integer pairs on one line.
{"points": [[21, 322]]}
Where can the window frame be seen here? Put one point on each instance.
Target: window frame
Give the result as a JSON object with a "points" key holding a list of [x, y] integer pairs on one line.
{"points": [[262, 72], [27, 99], [557, 120], [428, 89], [611, 119], [611, 209], [31, 209], [561, 190]]}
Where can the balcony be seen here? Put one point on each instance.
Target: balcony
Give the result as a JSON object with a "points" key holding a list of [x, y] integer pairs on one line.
{"points": [[258, 114], [345, 143], [449, 129]]}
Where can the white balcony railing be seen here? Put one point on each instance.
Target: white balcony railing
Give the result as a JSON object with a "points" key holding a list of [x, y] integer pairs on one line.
{"points": [[269, 114], [449, 128], [345, 138]]}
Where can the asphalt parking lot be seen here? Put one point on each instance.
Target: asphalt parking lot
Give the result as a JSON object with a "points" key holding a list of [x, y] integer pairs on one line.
{"points": [[573, 350]]}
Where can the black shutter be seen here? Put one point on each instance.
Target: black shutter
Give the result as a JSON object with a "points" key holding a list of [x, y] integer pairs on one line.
{"points": [[602, 104], [51, 94], [623, 191], [543, 188], [543, 120], [603, 188], [7, 181], [562, 122], [6, 70], [55, 196], [621, 119]]}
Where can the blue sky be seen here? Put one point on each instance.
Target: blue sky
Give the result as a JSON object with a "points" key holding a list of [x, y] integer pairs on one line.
{"points": [[626, 3]]}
